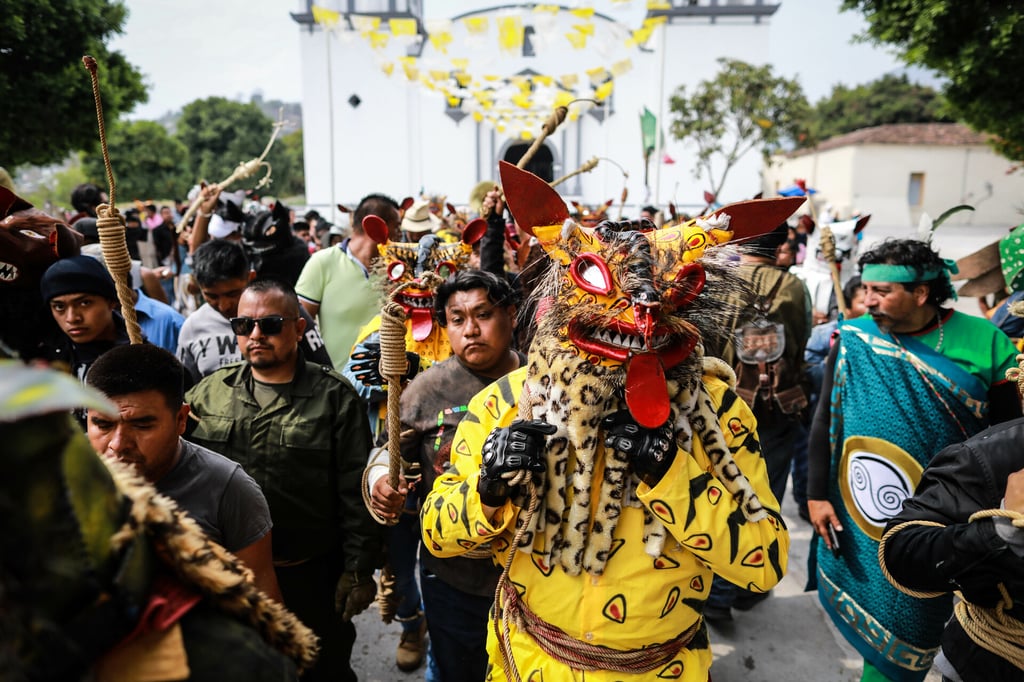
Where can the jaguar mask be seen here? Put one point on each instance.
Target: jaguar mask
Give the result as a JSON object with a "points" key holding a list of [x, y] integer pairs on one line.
{"points": [[412, 271]]}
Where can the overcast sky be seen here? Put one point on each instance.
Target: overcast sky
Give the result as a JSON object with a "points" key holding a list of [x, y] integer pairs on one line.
{"points": [[187, 52]]}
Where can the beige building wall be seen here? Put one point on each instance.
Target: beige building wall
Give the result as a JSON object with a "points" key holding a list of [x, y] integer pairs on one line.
{"points": [[878, 179]]}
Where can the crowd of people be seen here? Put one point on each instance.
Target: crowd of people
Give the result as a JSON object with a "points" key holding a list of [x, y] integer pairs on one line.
{"points": [[258, 401]]}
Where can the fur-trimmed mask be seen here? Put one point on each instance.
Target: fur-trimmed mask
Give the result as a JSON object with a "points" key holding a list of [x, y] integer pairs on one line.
{"points": [[628, 297], [412, 271]]}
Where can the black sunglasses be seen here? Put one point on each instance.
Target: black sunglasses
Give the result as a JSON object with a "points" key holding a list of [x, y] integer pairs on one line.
{"points": [[270, 325]]}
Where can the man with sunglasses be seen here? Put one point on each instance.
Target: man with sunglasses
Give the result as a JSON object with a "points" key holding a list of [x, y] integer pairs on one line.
{"points": [[206, 342], [300, 431]]}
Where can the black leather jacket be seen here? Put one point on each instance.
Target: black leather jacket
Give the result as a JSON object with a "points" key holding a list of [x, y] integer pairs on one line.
{"points": [[969, 557]]}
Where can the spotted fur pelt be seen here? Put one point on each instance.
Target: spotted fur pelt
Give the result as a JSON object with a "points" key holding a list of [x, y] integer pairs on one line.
{"points": [[207, 567], [574, 395]]}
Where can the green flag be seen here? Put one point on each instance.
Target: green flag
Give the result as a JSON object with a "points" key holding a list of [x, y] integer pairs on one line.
{"points": [[648, 131]]}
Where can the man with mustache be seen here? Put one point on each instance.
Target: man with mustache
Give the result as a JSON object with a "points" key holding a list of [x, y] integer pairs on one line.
{"points": [[901, 383], [300, 431]]}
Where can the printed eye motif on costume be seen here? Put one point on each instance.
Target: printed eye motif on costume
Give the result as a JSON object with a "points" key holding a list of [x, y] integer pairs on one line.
{"points": [[445, 269], [590, 273], [396, 269], [688, 284]]}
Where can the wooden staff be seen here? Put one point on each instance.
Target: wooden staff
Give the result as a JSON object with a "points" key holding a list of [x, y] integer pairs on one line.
{"points": [[828, 249], [585, 168], [549, 127]]}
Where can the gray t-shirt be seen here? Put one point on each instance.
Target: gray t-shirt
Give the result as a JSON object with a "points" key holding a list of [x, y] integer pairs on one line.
{"points": [[216, 492]]}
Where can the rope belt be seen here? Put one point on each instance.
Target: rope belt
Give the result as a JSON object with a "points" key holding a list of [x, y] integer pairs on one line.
{"points": [[581, 655]]}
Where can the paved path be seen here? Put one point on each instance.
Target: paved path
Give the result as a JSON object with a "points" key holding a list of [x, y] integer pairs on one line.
{"points": [[786, 638]]}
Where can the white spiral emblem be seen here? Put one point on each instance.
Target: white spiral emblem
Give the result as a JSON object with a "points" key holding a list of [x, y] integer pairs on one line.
{"points": [[877, 486]]}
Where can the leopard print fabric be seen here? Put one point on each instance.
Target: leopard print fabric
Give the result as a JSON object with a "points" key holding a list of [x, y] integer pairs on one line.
{"points": [[573, 395]]}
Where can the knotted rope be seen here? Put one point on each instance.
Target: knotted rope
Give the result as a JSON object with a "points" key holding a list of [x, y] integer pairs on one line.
{"points": [[993, 629], [393, 367], [554, 120], [1017, 373], [110, 224], [585, 168], [244, 170], [828, 250]]}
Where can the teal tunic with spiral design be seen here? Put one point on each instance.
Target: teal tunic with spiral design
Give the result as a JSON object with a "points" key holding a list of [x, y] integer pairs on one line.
{"points": [[895, 403]]}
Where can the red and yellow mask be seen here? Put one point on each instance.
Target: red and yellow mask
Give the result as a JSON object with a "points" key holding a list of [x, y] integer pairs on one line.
{"points": [[626, 294], [411, 272]]}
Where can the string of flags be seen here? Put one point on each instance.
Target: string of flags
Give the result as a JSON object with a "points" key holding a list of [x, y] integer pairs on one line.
{"points": [[455, 58]]}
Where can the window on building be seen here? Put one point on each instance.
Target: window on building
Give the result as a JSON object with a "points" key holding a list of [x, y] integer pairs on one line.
{"points": [[528, 49], [915, 190]]}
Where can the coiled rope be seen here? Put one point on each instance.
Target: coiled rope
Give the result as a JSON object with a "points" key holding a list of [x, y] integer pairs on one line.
{"points": [[993, 629], [110, 224], [393, 366]]}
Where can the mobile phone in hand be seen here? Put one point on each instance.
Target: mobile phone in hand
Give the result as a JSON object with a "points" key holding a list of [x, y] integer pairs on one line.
{"points": [[833, 539]]}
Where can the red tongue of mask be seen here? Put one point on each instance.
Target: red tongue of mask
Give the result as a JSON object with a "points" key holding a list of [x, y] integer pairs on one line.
{"points": [[646, 390], [422, 323]]}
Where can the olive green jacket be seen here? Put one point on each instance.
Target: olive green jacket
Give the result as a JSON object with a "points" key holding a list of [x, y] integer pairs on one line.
{"points": [[306, 450]]}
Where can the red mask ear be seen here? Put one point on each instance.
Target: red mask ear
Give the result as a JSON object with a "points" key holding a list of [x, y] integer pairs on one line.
{"points": [[531, 200], [376, 229], [406, 203], [474, 231], [748, 219]]}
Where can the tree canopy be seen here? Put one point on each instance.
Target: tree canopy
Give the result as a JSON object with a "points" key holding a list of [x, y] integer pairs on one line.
{"points": [[47, 109], [148, 163], [219, 134], [975, 44], [889, 99], [744, 107]]}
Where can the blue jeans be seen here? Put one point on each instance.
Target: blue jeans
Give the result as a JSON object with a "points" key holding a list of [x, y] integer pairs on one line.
{"points": [[458, 623], [403, 542]]}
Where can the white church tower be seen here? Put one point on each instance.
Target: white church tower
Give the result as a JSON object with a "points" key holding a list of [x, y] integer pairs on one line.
{"points": [[407, 97]]}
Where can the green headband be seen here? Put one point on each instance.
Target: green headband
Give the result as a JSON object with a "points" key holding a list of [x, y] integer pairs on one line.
{"points": [[903, 274], [885, 272]]}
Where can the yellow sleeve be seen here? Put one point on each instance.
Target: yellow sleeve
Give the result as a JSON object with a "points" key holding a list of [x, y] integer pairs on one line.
{"points": [[452, 519], [706, 519]]}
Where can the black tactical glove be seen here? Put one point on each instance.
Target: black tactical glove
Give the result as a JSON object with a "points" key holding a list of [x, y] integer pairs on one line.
{"points": [[353, 594], [650, 451], [506, 452], [367, 369]]}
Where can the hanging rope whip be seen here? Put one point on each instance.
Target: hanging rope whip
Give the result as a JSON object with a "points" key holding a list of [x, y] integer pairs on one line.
{"points": [[110, 223], [243, 171]]}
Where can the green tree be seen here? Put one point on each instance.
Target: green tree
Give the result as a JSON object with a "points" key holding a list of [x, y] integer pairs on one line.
{"points": [[220, 134], [45, 91], [147, 162], [744, 107], [890, 99], [975, 44]]}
